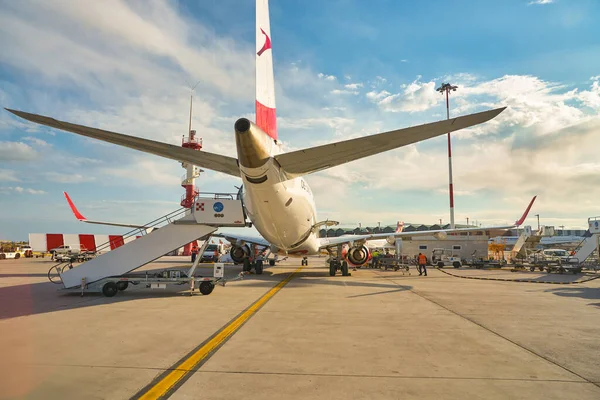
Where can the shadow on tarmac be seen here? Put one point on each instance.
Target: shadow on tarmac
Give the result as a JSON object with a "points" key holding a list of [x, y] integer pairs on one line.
{"points": [[582, 292], [43, 297]]}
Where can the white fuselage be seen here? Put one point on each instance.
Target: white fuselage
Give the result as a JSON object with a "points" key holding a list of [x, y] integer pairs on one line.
{"points": [[282, 210]]}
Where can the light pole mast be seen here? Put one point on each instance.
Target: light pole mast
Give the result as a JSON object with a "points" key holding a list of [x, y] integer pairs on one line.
{"points": [[446, 88]]}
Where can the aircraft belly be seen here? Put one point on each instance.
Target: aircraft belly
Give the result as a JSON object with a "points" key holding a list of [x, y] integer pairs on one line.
{"points": [[282, 222]]}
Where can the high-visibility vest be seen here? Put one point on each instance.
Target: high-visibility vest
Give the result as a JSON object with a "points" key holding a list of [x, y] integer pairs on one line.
{"points": [[422, 259], [194, 250]]}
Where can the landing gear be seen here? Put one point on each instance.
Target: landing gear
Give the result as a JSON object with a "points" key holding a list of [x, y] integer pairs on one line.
{"points": [[122, 285], [259, 267], [332, 268], [271, 263], [109, 289], [345, 269], [334, 265], [304, 261]]}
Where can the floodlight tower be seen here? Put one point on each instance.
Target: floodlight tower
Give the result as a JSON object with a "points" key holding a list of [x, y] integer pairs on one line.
{"points": [[446, 88], [188, 180]]}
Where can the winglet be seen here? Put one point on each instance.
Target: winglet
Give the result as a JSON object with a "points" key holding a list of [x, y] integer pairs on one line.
{"points": [[399, 227], [520, 221], [74, 209]]}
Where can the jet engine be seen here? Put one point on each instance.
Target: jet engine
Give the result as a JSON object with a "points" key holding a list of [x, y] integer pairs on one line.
{"points": [[391, 240], [441, 235], [238, 253], [358, 255]]}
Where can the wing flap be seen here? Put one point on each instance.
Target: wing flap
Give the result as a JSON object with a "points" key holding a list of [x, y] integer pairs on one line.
{"points": [[215, 162], [302, 162]]}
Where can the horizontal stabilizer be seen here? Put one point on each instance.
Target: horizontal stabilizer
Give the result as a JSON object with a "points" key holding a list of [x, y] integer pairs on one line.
{"points": [[302, 162], [215, 162]]}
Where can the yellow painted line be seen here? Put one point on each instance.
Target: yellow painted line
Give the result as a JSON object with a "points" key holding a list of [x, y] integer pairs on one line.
{"points": [[186, 366]]}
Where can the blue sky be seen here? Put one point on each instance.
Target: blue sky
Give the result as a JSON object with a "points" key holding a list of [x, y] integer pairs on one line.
{"points": [[343, 69]]}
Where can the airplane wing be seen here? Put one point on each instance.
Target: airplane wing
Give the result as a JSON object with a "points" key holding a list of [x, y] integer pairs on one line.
{"points": [[328, 242], [81, 218], [233, 238], [215, 162], [303, 162]]}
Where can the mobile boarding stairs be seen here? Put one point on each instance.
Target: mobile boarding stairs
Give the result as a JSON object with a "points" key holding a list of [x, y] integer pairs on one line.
{"points": [[109, 271]]}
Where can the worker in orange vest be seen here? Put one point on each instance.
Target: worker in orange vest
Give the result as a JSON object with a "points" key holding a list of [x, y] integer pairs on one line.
{"points": [[194, 252], [422, 264]]}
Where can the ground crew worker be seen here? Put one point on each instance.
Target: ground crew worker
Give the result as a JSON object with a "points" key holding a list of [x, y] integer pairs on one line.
{"points": [[422, 264], [194, 252]]}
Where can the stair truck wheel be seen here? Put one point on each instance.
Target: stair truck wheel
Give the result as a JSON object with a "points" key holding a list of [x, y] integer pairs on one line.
{"points": [[332, 268], [344, 268], [122, 285], [456, 264], [109, 289], [206, 288], [272, 263], [440, 264], [259, 267]]}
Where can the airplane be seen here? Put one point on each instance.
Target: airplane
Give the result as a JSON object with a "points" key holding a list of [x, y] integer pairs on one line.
{"points": [[276, 197]]}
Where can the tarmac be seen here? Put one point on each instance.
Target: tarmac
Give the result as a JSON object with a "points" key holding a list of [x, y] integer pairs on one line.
{"points": [[375, 334]]}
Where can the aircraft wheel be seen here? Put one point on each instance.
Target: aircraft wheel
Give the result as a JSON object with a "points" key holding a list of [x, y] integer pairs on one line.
{"points": [[532, 269], [344, 268], [272, 263], [259, 267], [332, 268], [206, 288], [122, 285], [109, 289]]}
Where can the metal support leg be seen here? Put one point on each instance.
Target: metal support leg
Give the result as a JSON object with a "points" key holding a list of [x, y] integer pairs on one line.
{"points": [[190, 273]]}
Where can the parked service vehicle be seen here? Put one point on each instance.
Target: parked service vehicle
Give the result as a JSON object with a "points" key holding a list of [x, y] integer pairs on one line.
{"points": [[212, 253], [67, 252], [443, 257], [24, 251]]}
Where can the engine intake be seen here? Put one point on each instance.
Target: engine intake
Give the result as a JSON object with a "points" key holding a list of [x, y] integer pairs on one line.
{"points": [[358, 255], [238, 253]]}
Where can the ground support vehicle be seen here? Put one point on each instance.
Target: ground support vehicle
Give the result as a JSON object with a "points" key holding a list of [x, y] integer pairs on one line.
{"points": [[444, 257]]}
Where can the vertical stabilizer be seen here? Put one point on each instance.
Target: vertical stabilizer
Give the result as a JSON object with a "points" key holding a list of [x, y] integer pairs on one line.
{"points": [[265, 83]]}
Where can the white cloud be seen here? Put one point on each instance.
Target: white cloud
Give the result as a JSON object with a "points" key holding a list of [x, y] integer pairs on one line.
{"points": [[416, 96], [19, 189], [36, 141], [326, 77], [67, 177], [7, 175], [540, 2], [375, 96], [353, 86], [16, 151], [342, 92]]}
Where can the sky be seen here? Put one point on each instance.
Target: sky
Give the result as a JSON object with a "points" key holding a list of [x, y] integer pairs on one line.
{"points": [[343, 69]]}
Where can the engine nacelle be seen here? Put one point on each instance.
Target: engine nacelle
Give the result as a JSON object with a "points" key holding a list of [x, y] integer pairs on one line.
{"points": [[391, 240], [440, 235], [238, 253], [358, 255]]}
